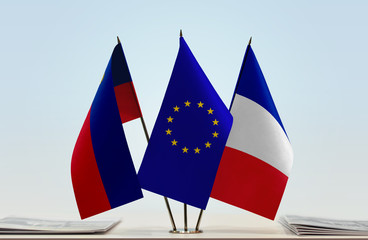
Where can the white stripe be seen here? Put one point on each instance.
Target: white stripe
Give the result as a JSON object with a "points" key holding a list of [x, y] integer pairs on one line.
{"points": [[256, 132]]}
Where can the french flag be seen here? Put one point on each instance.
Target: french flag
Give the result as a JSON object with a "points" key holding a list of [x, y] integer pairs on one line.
{"points": [[102, 170], [258, 157]]}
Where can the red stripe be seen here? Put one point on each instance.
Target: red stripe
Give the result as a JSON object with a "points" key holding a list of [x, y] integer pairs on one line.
{"points": [[249, 183], [127, 102], [88, 187]]}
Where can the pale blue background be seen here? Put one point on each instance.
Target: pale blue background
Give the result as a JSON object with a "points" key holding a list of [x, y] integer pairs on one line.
{"points": [[313, 55]]}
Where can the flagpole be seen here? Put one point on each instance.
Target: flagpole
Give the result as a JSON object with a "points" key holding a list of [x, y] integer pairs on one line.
{"points": [[241, 71], [199, 220], [185, 218], [185, 205]]}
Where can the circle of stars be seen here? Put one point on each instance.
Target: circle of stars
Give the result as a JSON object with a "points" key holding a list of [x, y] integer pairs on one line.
{"points": [[206, 145]]}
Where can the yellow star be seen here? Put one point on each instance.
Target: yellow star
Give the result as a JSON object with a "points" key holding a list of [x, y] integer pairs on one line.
{"points": [[169, 119], [215, 122], [174, 142], [185, 150], [168, 131], [215, 134], [196, 150], [208, 144], [210, 111], [176, 109], [187, 103], [200, 104]]}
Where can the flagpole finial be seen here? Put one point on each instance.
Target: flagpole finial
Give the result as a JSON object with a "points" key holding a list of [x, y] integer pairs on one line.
{"points": [[250, 41], [118, 39], [181, 33]]}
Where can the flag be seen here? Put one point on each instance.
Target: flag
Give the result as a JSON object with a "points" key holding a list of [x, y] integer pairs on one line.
{"points": [[102, 169], [257, 159], [189, 136]]}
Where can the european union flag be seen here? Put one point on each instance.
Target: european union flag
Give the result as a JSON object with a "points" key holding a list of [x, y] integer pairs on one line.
{"points": [[189, 136]]}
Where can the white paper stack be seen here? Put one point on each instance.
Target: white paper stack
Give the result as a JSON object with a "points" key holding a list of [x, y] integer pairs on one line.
{"points": [[321, 226], [42, 226]]}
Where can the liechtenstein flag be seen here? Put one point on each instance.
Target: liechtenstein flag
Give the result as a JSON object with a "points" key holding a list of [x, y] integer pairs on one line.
{"points": [[189, 136], [102, 169], [257, 159]]}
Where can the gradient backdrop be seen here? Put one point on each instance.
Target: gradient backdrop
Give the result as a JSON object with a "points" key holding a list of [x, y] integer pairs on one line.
{"points": [[314, 55]]}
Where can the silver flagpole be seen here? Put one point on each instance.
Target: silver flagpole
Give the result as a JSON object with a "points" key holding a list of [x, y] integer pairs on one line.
{"points": [[199, 220], [185, 218]]}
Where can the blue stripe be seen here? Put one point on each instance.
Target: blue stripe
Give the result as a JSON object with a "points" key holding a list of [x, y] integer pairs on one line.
{"points": [[252, 85], [110, 146]]}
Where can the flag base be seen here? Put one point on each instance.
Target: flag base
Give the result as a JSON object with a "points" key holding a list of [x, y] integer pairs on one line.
{"points": [[182, 231]]}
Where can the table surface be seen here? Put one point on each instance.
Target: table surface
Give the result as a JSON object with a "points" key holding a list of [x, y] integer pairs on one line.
{"points": [[213, 226]]}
